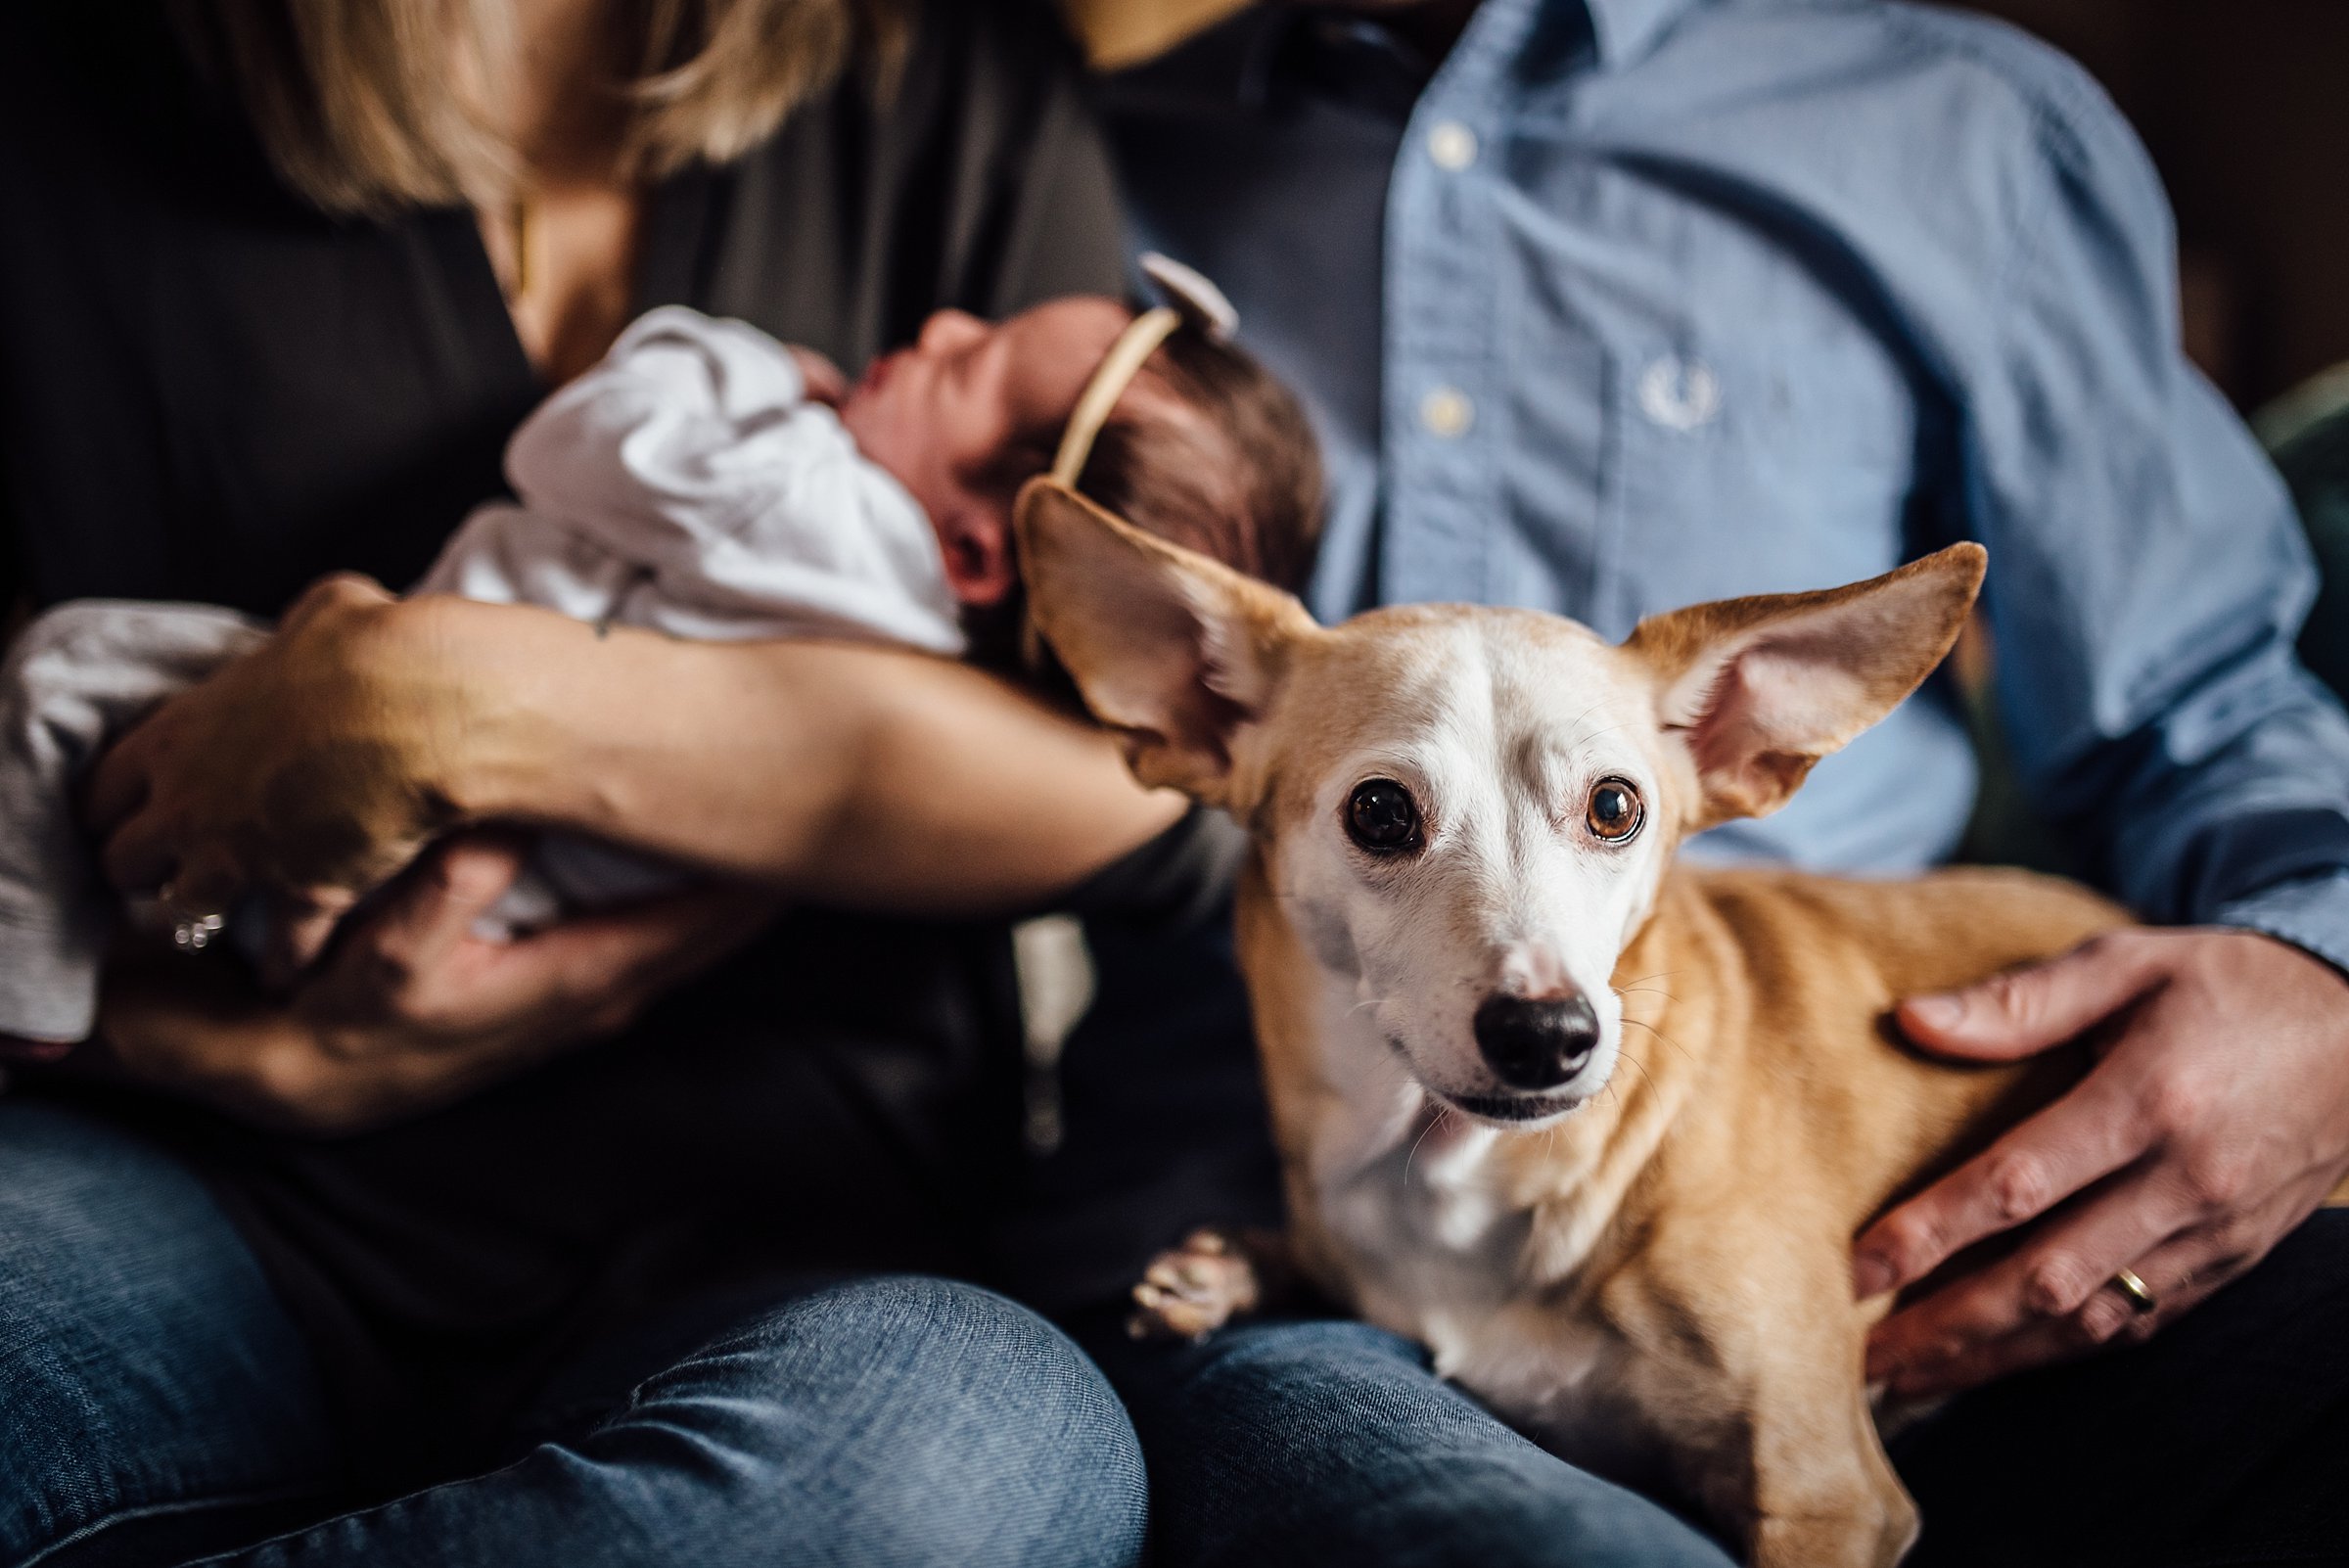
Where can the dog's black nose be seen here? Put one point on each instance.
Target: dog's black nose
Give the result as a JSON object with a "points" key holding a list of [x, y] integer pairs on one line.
{"points": [[1535, 1044]]}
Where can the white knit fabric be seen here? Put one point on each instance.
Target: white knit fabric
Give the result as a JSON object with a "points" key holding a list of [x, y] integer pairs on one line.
{"points": [[688, 484]]}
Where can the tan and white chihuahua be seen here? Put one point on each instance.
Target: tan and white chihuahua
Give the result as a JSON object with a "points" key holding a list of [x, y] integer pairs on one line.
{"points": [[1596, 1127]]}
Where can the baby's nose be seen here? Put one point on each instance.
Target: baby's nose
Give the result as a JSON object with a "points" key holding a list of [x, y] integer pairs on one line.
{"points": [[1534, 1043]]}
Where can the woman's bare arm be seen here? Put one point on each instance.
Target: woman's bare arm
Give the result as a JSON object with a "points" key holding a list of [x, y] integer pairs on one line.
{"points": [[322, 763], [848, 773]]}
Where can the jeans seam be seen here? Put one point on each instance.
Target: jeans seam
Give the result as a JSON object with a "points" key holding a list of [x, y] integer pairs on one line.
{"points": [[158, 1510]]}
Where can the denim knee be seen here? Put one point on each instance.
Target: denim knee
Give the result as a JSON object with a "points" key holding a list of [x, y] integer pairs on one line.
{"points": [[921, 1421], [1326, 1442], [145, 1366]]}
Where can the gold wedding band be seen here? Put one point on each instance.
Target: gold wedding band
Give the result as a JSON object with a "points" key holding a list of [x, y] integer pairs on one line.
{"points": [[2141, 1300]]}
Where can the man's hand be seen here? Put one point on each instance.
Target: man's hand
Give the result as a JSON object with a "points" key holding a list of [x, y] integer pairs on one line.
{"points": [[2216, 1117], [413, 1010]]}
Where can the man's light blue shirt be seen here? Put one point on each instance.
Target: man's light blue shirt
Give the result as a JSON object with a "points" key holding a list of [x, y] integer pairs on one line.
{"points": [[1639, 303]]}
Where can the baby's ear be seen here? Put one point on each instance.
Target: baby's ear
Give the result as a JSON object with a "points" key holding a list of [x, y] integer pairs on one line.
{"points": [[974, 541], [1176, 652], [1760, 689]]}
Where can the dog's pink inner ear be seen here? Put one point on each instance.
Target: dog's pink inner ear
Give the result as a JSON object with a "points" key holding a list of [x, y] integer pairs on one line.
{"points": [[1167, 684], [1174, 649], [1766, 716], [1761, 689]]}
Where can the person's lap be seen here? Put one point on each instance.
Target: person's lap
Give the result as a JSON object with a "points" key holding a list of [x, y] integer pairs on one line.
{"points": [[161, 1406], [153, 1388], [1321, 1442], [2224, 1441]]}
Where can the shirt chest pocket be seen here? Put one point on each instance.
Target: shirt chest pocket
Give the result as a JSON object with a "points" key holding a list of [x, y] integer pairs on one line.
{"points": [[1761, 463]]}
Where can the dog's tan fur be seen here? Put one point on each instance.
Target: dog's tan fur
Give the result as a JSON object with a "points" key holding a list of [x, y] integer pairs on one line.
{"points": [[1688, 1235], [1658, 1282]]}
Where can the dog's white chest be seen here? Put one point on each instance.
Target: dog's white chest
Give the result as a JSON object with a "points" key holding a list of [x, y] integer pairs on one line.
{"points": [[1433, 1253]]}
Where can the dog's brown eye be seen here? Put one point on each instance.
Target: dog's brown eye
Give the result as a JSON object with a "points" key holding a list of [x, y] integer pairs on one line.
{"points": [[1614, 810], [1382, 817]]}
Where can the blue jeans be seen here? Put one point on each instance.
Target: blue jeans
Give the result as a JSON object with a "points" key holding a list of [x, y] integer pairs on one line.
{"points": [[1313, 1442], [2221, 1443], [156, 1405]]}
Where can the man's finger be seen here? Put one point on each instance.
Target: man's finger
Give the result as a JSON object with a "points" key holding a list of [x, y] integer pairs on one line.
{"points": [[2180, 1275], [2082, 1137], [300, 928], [2046, 1281], [614, 961], [430, 911], [2028, 1010]]}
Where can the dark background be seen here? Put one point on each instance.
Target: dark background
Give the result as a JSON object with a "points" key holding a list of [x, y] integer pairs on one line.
{"points": [[2244, 104]]}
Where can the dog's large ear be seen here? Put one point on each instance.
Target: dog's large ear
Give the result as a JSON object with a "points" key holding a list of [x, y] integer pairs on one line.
{"points": [[1173, 651], [1760, 689]]}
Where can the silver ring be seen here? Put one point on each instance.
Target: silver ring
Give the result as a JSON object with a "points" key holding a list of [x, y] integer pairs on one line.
{"points": [[190, 933], [196, 935]]}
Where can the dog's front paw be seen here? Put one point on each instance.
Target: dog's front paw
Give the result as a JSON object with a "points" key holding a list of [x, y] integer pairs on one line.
{"points": [[1195, 1289]]}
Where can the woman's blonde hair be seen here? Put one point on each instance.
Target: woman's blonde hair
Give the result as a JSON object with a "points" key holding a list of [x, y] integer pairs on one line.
{"points": [[368, 106]]}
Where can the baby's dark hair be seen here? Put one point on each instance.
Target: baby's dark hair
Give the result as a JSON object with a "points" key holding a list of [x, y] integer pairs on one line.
{"points": [[1207, 449]]}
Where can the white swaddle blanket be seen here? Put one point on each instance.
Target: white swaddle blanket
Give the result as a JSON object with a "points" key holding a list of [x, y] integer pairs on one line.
{"points": [[686, 484]]}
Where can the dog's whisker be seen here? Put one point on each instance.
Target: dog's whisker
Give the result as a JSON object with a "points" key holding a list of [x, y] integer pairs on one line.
{"points": [[1646, 1076], [1581, 741], [1660, 1034], [1442, 1111], [1585, 740]]}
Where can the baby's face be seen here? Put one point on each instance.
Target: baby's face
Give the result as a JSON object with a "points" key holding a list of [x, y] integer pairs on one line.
{"points": [[940, 415]]}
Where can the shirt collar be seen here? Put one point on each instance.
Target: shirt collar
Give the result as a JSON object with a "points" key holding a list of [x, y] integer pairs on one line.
{"points": [[1259, 46], [1625, 27], [1621, 31]]}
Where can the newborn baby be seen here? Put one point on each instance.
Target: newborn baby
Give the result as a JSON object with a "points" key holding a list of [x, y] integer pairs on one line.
{"points": [[701, 482]]}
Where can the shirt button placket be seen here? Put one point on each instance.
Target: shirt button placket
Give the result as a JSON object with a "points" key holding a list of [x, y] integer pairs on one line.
{"points": [[1450, 145], [1442, 484], [1446, 414]]}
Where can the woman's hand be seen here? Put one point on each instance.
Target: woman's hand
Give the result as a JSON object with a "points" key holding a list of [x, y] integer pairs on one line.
{"points": [[312, 769], [2215, 1119], [304, 769], [411, 1011]]}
